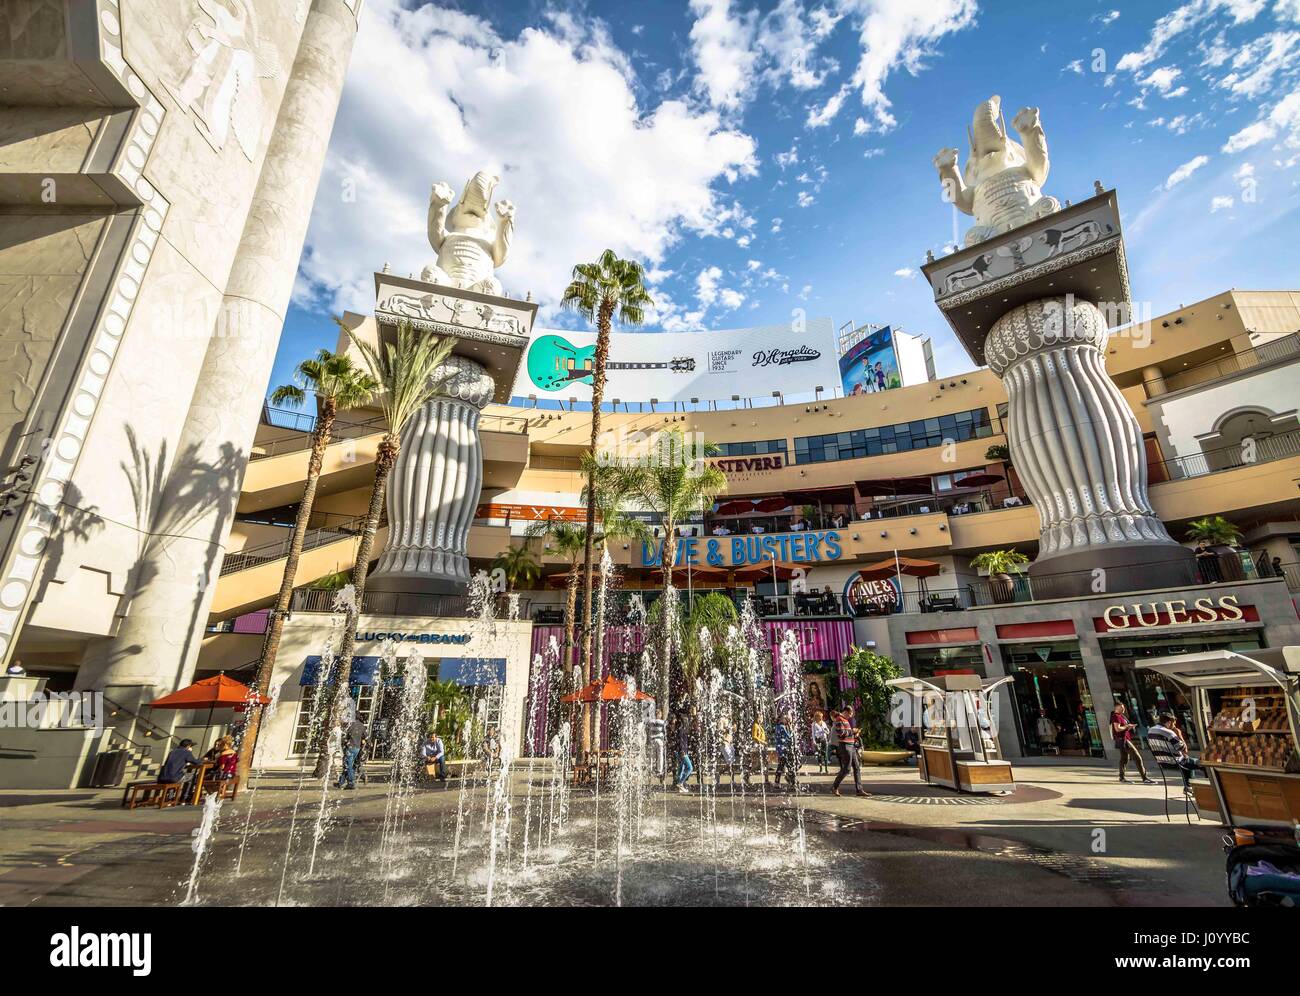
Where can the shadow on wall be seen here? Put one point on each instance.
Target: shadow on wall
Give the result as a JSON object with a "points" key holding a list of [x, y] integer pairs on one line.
{"points": [[169, 502]]}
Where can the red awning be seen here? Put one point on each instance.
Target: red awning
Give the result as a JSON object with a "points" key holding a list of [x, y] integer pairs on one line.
{"points": [[904, 565], [894, 486]]}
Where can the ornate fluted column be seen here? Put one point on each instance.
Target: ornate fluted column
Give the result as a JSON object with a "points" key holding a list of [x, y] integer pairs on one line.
{"points": [[434, 488], [1074, 441]]}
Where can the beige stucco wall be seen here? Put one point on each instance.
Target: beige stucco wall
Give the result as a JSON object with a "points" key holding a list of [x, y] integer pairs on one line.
{"points": [[305, 635]]}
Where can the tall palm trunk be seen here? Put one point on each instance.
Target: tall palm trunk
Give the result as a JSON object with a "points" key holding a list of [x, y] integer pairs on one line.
{"points": [[603, 317], [570, 606], [666, 564], [384, 460], [275, 619]]}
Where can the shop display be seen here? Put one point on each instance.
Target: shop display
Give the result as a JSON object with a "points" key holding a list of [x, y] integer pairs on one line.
{"points": [[1250, 729]]}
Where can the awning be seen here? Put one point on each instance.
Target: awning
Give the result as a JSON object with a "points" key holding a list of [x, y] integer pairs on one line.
{"points": [[842, 495], [609, 690], [468, 671], [892, 567], [979, 480], [1223, 668], [871, 488]]}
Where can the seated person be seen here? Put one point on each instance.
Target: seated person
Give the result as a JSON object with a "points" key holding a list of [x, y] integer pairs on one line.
{"points": [[434, 755], [180, 759], [1167, 729], [227, 759]]}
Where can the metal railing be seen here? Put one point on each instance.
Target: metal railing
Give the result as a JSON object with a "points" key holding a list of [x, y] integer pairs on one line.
{"points": [[1263, 450], [301, 439], [1233, 363], [402, 603], [1224, 568], [279, 549]]}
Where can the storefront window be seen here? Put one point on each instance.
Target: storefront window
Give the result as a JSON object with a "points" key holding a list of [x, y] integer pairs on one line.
{"points": [[1054, 709], [1147, 694], [933, 660]]}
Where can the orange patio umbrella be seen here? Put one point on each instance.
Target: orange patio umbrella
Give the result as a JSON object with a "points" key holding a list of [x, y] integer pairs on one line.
{"points": [[218, 692], [609, 690], [893, 566]]}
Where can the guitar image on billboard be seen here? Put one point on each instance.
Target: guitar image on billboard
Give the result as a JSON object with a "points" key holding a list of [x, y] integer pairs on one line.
{"points": [[554, 363]]}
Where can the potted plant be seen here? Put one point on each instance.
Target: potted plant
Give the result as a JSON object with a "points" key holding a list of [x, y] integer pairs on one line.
{"points": [[869, 671], [999, 453], [1221, 534], [1000, 565]]}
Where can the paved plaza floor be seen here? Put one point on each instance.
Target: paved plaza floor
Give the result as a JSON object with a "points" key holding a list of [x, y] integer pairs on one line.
{"points": [[1071, 835]]}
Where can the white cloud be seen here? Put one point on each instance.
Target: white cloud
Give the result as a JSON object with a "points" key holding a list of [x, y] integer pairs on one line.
{"points": [[1220, 204], [805, 292], [805, 199], [604, 172], [789, 38], [1184, 171], [784, 159], [744, 241], [1283, 118], [1264, 57], [873, 153], [731, 299], [1246, 170], [753, 264], [1162, 78], [906, 272], [1176, 92], [722, 45], [1182, 19], [892, 34], [706, 285], [1109, 17], [1075, 66], [776, 225]]}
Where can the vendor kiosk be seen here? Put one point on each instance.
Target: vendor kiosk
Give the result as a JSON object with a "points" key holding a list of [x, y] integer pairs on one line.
{"points": [[959, 741], [1247, 712]]}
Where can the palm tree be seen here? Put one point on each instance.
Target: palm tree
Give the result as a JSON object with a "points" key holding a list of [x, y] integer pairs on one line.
{"points": [[338, 385], [676, 482], [407, 372], [516, 563], [704, 631], [601, 291], [608, 498], [565, 540]]}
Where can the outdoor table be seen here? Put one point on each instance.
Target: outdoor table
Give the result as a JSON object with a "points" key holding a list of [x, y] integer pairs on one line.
{"points": [[200, 772]]}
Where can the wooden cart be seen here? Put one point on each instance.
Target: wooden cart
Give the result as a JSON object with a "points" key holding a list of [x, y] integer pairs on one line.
{"points": [[1247, 712], [959, 748]]}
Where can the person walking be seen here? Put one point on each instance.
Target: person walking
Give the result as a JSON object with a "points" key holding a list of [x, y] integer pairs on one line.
{"points": [[726, 748], [684, 763], [786, 749], [756, 759], [1122, 730], [353, 739], [821, 740], [846, 736]]}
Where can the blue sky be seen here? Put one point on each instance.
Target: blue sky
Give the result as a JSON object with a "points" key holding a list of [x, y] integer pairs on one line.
{"points": [[765, 157]]}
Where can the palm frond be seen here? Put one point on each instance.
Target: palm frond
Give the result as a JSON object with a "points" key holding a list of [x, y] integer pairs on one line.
{"points": [[406, 371]]}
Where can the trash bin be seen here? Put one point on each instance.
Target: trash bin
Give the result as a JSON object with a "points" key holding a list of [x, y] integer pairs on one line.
{"points": [[110, 767]]}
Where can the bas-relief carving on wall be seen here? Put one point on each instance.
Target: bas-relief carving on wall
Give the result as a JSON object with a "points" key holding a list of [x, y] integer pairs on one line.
{"points": [[219, 90], [453, 310], [1033, 248]]}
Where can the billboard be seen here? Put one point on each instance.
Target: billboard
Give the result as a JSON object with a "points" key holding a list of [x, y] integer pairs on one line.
{"points": [[678, 366], [871, 365]]}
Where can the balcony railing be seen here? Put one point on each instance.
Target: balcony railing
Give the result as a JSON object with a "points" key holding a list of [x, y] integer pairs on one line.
{"points": [[256, 556], [301, 425], [401, 603], [1266, 449], [986, 592], [1232, 363]]}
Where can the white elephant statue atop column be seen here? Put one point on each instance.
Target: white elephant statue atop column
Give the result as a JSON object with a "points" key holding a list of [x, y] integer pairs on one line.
{"points": [[469, 242], [1002, 184]]}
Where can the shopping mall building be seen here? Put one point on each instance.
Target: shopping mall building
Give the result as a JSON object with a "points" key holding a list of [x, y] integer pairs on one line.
{"points": [[148, 490]]}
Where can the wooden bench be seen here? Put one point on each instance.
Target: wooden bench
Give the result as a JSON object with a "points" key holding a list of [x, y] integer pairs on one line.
{"points": [[160, 794]]}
